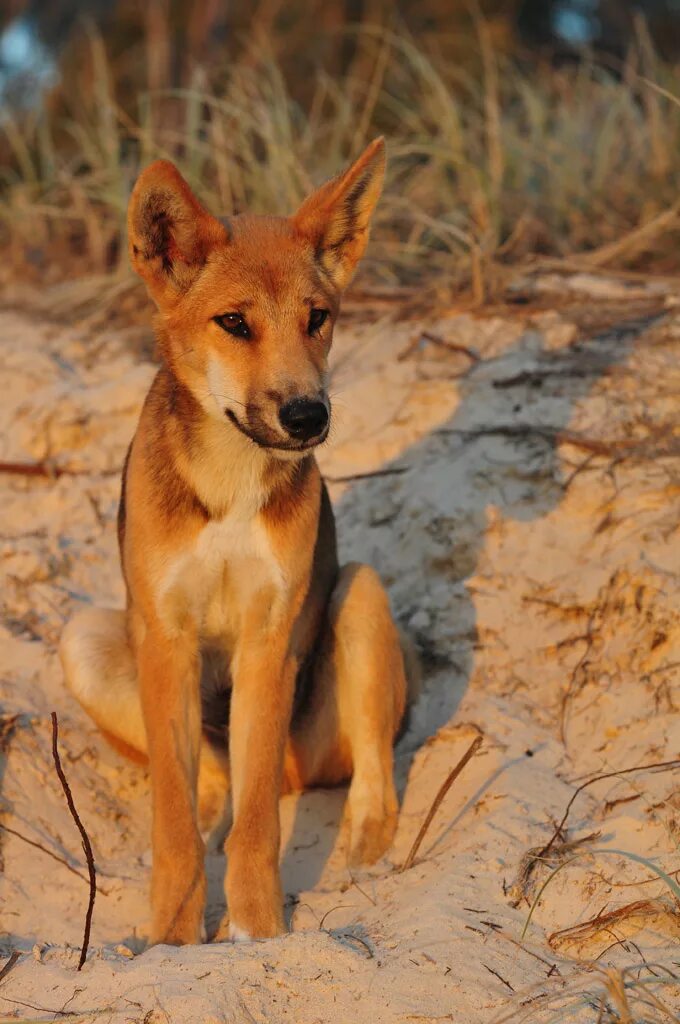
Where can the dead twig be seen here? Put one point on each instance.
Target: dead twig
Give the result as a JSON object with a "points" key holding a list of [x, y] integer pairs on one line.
{"points": [[609, 805], [87, 847], [553, 967], [340, 906], [80, 1015], [351, 937], [581, 468], [362, 891], [622, 447], [637, 883], [577, 677], [42, 469], [49, 471], [435, 339], [535, 378], [30, 469], [8, 725], [499, 976], [656, 766], [369, 475], [518, 891], [452, 346], [603, 922], [556, 845], [10, 964], [443, 790]]}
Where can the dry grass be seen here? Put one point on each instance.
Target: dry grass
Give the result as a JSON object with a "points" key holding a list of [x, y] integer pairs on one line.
{"points": [[642, 994], [486, 169]]}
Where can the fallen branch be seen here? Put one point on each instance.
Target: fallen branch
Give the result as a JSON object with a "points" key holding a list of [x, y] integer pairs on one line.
{"points": [[443, 790], [87, 847]]}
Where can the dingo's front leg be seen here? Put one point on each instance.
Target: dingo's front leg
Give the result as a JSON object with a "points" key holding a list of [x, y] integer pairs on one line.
{"points": [[168, 668], [264, 679]]}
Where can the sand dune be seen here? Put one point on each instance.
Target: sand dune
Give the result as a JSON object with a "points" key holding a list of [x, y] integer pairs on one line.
{"points": [[523, 508]]}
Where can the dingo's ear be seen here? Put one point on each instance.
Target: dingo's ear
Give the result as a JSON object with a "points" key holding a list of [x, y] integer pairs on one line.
{"points": [[336, 217], [170, 234]]}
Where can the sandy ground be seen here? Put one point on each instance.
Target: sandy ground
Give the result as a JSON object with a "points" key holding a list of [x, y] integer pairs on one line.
{"points": [[539, 576]]}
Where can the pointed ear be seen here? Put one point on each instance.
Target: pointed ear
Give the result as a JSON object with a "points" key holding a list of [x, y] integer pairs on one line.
{"points": [[336, 217], [170, 234]]}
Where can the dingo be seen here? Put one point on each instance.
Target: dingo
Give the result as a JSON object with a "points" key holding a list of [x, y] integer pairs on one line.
{"points": [[228, 552]]}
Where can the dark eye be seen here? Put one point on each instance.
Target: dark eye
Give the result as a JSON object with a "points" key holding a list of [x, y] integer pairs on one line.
{"points": [[233, 323], [317, 318]]}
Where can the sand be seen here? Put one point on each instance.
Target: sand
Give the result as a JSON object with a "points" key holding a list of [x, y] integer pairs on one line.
{"points": [[522, 508]]}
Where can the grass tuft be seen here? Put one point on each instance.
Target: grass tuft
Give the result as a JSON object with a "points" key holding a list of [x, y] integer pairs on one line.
{"points": [[487, 169]]}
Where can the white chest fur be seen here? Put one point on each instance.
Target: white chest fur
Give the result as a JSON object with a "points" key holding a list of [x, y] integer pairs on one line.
{"points": [[217, 577]]}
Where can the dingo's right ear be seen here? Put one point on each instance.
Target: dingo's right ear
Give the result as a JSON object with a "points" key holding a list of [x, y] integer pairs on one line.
{"points": [[170, 234]]}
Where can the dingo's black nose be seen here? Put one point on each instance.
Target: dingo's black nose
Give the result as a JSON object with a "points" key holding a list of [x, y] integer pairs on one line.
{"points": [[304, 418]]}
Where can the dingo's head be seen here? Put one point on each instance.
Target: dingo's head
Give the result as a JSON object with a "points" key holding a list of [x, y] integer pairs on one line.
{"points": [[246, 308]]}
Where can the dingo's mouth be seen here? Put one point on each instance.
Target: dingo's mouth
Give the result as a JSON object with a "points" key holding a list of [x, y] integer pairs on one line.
{"points": [[275, 443]]}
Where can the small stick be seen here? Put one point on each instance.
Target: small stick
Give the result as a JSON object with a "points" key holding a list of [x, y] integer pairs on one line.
{"points": [[362, 942], [499, 976], [340, 906], [31, 469], [443, 790], [49, 471], [618, 448], [10, 964], [452, 346], [80, 1016], [87, 847], [390, 471], [639, 908], [525, 949]]}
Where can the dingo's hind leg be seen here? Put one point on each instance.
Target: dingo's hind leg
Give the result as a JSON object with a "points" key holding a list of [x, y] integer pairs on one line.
{"points": [[100, 672], [354, 712]]}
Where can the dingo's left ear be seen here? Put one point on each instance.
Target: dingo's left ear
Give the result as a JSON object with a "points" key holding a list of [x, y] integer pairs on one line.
{"points": [[336, 217], [170, 233]]}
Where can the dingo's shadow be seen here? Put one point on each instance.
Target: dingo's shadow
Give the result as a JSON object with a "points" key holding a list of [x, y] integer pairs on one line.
{"points": [[421, 520]]}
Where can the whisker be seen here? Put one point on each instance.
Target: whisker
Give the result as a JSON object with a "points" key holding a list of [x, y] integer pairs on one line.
{"points": [[229, 398]]}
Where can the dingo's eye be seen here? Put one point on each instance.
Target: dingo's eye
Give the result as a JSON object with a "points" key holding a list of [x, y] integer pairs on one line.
{"points": [[233, 323], [317, 318]]}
